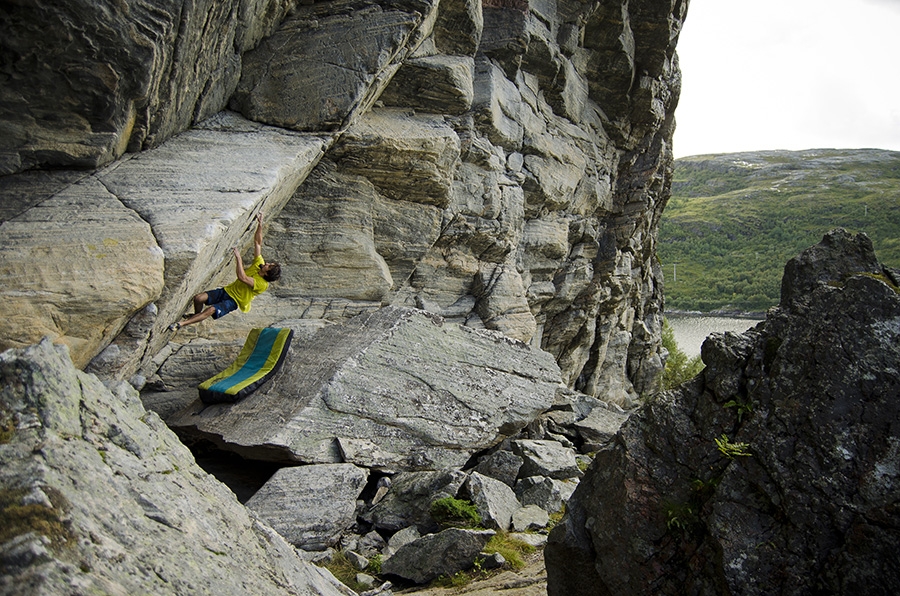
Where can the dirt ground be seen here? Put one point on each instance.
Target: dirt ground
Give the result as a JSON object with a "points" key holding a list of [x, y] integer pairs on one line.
{"points": [[529, 581]]}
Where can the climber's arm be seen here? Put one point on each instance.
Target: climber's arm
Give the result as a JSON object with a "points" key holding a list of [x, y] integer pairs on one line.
{"points": [[257, 238], [239, 269]]}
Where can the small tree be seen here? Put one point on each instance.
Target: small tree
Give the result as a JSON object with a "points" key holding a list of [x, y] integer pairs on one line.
{"points": [[679, 367]]}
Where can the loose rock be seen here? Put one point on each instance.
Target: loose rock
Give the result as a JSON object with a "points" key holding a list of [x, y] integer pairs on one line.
{"points": [[434, 555], [311, 505]]}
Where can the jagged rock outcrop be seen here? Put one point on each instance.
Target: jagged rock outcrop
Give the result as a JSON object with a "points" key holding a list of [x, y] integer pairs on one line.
{"points": [[775, 471], [502, 164], [328, 61], [398, 389], [98, 496]]}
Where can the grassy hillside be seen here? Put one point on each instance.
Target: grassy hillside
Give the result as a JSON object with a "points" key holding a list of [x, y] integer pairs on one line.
{"points": [[735, 219]]}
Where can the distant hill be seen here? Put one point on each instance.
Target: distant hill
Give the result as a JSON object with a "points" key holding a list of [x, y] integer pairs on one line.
{"points": [[734, 219]]}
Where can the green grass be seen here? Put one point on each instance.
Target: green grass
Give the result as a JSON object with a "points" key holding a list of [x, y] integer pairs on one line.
{"points": [[459, 579], [341, 567], [734, 220], [512, 549]]}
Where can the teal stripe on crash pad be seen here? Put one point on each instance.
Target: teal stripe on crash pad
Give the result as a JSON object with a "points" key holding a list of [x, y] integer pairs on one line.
{"points": [[254, 363]]}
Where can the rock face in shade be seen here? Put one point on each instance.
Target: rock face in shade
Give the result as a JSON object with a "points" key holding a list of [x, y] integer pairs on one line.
{"points": [[86, 81], [775, 471], [398, 389], [500, 164], [408, 502], [100, 497], [329, 61]]}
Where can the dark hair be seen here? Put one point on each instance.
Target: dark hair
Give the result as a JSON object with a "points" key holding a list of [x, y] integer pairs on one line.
{"points": [[274, 272]]}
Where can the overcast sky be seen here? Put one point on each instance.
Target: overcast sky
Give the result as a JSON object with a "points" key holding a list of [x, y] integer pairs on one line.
{"points": [[789, 74]]}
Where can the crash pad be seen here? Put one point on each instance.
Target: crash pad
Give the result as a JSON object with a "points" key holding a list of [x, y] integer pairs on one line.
{"points": [[260, 358]]}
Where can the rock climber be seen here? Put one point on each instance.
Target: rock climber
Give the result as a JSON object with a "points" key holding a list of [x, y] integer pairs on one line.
{"points": [[250, 283]]}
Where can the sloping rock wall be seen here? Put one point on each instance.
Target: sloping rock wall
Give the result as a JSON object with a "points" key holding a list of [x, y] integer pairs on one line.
{"points": [[501, 164], [775, 471], [98, 496]]}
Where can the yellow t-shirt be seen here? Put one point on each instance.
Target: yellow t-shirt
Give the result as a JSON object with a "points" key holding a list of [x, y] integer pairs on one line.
{"points": [[244, 294]]}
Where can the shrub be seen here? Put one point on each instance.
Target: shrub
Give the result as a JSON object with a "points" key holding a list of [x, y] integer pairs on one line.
{"points": [[457, 513]]}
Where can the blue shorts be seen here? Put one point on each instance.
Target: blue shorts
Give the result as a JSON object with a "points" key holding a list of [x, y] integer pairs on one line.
{"points": [[221, 301]]}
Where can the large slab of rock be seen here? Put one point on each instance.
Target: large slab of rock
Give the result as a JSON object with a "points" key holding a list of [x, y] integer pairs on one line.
{"points": [[200, 192], [775, 471], [394, 389], [152, 228], [111, 502], [434, 555], [310, 505], [238, 167]]}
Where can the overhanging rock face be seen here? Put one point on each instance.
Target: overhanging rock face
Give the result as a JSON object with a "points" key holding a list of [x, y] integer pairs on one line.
{"points": [[500, 163], [397, 389]]}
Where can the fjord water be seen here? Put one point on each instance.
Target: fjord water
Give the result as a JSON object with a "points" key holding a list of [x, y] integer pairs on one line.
{"points": [[691, 330]]}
